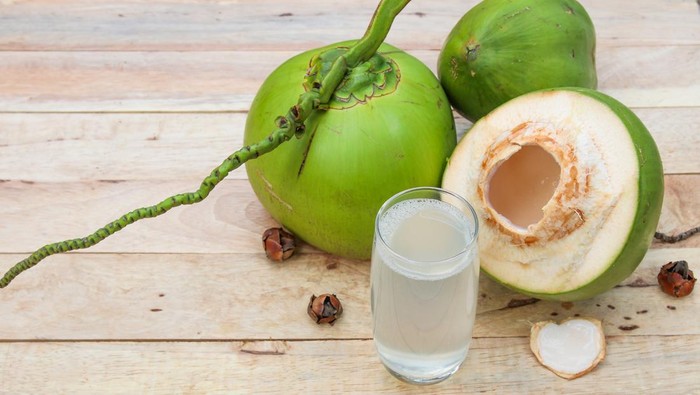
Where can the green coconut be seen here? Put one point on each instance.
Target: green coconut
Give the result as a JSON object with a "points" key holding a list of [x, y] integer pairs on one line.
{"points": [[387, 128], [501, 49], [568, 187]]}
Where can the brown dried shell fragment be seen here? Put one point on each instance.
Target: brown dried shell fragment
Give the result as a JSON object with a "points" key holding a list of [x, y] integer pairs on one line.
{"points": [[571, 348], [676, 279], [325, 308], [278, 244]]}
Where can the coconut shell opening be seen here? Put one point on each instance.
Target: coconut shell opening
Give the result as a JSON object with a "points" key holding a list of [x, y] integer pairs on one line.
{"points": [[522, 185]]}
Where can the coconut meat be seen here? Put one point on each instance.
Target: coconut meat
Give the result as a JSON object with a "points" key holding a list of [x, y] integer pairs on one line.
{"points": [[569, 349], [553, 177]]}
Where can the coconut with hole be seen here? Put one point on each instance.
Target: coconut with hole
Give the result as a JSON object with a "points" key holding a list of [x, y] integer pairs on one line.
{"points": [[568, 187]]}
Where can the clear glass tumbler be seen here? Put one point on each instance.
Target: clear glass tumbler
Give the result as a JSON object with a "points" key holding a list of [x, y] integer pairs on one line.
{"points": [[424, 283]]}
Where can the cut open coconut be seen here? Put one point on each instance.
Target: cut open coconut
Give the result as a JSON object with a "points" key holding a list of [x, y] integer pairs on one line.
{"points": [[570, 349], [568, 185]]}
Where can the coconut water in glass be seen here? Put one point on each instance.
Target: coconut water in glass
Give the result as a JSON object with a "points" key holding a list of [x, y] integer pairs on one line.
{"points": [[424, 283]]}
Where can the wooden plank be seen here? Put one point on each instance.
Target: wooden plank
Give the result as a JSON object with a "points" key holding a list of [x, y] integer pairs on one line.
{"points": [[670, 128], [188, 303], [128, 146], [113, 140], [175, 146], [647, 364], [227, 81], [132, 81], [230, 220], [678, 212], [244, 296], [278, 25], [654, 82]]}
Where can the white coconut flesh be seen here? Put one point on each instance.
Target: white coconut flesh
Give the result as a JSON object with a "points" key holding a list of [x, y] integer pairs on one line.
{"points": [[554, 178], [570, 349]]}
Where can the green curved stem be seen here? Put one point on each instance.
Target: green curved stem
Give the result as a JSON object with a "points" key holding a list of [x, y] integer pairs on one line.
{"points": [[289, 125]]}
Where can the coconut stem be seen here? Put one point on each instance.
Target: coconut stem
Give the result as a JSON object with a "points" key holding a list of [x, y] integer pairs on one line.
{"points": [[292, 124], [676, 238]]}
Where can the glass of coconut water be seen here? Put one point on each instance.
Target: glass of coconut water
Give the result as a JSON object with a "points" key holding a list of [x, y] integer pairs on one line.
{"points": [[424, 283]]}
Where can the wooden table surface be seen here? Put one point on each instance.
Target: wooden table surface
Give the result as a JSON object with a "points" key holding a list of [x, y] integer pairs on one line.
{"points": [[106, 106]]}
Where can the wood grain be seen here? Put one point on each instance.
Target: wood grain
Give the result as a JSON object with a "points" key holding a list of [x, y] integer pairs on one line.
{"points": [[126, 146], [245, 296], [230, 220], [348, 366], [137, 146], [678, 212], [273, 25], [107, 106], [228, 81]]}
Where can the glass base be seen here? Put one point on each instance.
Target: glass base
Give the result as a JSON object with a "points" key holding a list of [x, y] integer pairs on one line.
{"points": [[423, 380]]}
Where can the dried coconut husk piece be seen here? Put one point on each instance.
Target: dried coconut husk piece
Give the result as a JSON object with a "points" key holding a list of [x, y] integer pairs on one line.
{"points": [[571, 348]]}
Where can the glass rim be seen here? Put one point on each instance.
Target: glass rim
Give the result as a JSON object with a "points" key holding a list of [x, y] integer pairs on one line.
{"points": [[389, 202]]}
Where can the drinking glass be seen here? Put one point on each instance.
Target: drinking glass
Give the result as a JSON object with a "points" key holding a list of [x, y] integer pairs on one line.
{"points": [[424, 283]]}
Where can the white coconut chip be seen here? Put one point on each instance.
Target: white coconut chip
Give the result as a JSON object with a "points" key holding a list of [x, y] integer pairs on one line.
{"points": [[569, 349]]}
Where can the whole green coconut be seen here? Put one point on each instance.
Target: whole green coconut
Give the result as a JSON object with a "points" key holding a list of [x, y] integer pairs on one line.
{"points": [[388, 127], [502, 49]]}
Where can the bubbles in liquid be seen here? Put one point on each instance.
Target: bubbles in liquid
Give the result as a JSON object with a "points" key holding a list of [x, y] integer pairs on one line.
{"points": [[424, 286], [430, 235]]}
